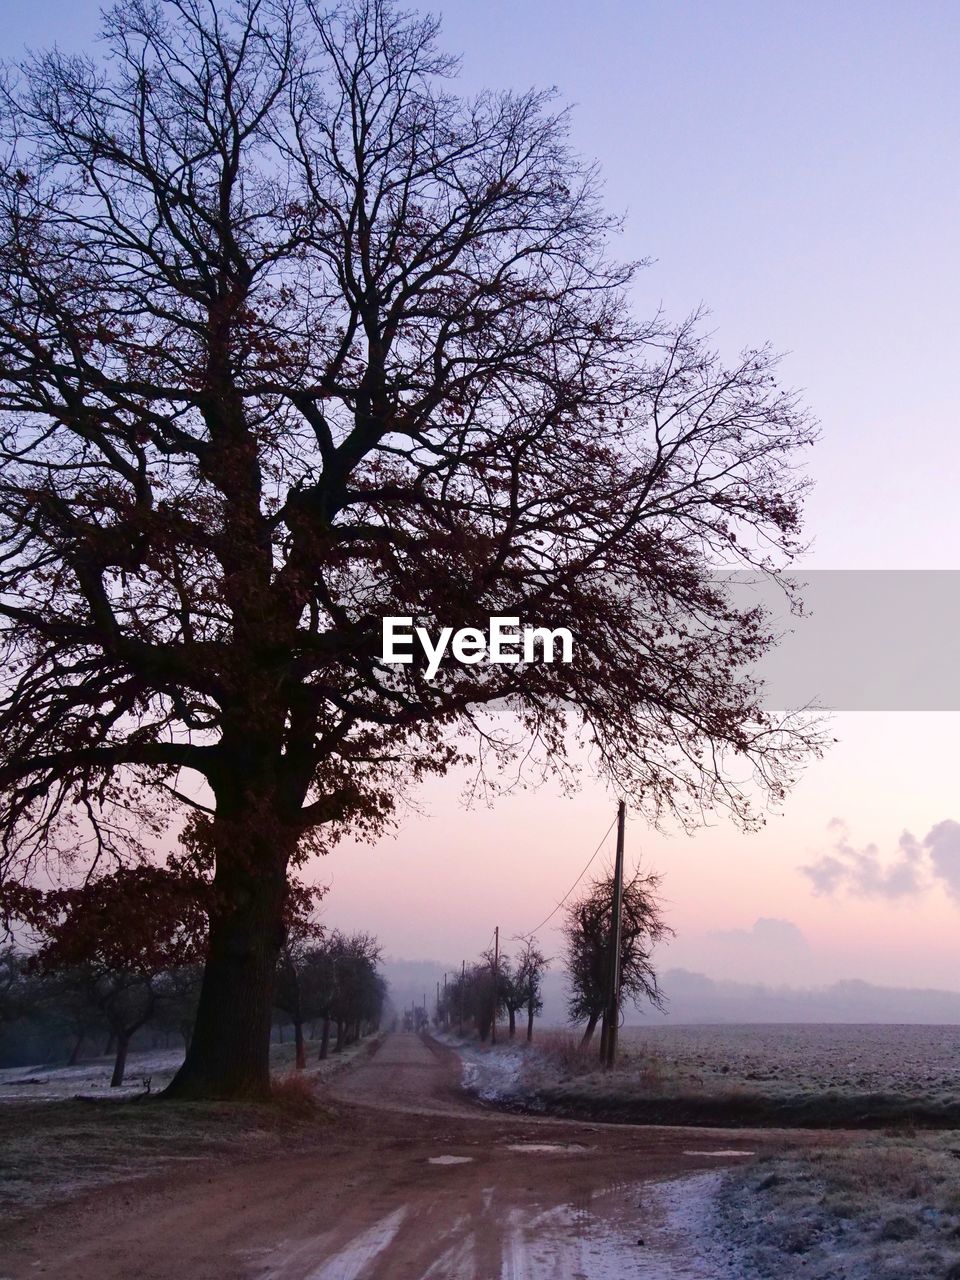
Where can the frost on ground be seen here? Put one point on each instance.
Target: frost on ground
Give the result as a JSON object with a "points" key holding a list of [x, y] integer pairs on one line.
{"points": [[742, 1076], [89, 1079], [495, 1073], [874, 1209], [685, 1238], [920, 1061]]}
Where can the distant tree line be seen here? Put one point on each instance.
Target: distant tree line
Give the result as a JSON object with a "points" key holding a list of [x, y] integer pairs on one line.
{"points": [[492, 988], [329, 982]]}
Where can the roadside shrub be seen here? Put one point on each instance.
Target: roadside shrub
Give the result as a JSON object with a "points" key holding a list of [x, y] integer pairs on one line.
{"points": [[294, 1093]]}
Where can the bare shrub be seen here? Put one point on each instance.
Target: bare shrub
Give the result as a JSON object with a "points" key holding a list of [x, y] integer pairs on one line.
{"points": [[651, 1072], [294, 1093]]}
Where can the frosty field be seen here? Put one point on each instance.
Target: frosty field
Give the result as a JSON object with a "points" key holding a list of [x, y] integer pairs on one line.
{"points": [[920, 1060], [803, 1075]]}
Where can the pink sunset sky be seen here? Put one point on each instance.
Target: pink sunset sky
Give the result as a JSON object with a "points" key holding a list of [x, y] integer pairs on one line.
{"points": [[793, 166]]}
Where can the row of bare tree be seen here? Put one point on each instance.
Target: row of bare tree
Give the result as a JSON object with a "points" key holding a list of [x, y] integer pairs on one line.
{"points": [[332, 981], [57, 1012], [493, 986], [498, 986], [61, 1014]]}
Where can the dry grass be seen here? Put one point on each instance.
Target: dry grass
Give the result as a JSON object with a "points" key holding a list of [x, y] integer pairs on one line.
{"points": [[565, 1052], [651, 1071], [295, 1094], [564, 1055], [901, 1171]]}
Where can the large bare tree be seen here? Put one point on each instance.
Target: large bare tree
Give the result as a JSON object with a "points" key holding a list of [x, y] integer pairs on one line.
{"points": [[293, 338]]}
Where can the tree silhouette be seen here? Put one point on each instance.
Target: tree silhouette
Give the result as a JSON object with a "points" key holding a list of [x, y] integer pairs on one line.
{"points": [[532, 964], [586, 930], [293, 338], [113, 939]]}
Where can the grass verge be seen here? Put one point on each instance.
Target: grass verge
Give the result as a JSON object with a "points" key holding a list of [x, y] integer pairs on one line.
{"points": [[878, 1208]]}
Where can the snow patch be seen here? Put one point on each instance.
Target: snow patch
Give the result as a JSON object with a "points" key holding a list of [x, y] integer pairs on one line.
{"points": [[721, 1152], [352, 1263], [493, 1075], [564, 1148]]}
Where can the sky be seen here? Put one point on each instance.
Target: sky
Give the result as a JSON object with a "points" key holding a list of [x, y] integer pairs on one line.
{"points": [[791, 165]]}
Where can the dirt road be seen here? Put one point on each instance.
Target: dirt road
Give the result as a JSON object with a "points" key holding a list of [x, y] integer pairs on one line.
{"points": [[411, 1180]]}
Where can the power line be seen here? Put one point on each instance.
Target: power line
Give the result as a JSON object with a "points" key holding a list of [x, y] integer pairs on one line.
{"points": [[603, 841]]}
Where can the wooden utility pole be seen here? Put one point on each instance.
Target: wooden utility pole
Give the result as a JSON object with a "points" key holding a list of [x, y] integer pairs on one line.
{"points": [[438, 1002], [463, 983], [608, 1042], [496, 981]]}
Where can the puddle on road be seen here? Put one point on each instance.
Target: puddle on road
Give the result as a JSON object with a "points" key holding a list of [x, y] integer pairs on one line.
{"points": [[450, 1160], [719, 1153], [536, 1148]]}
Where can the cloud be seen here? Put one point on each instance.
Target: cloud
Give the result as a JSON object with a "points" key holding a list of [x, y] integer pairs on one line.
{"points": [[769, 950], [766, 932], [865, 873], [942, 843]]}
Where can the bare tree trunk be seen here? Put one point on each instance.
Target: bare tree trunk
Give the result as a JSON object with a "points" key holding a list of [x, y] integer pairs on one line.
{"points": [[590, 1028], [325, 1039], [301, 1050], [75, 1051], [229, 1053], [120, 1062], [341, 1033], [513, 1021], [530, 1016]]}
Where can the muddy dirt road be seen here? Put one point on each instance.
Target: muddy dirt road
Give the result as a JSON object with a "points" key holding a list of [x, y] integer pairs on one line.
{"points": [[410, 1180]]}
